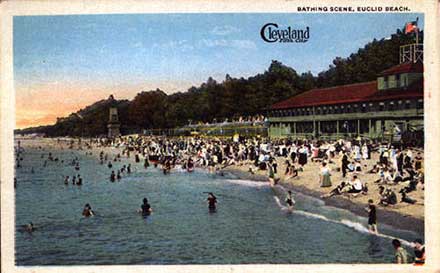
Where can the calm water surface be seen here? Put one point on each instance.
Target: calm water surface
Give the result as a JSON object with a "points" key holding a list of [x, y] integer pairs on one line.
{"points": [[249, 227]]}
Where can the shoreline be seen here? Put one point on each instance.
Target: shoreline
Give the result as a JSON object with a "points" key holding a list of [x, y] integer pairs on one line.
{"points": [[388, 216], [391, 218]]}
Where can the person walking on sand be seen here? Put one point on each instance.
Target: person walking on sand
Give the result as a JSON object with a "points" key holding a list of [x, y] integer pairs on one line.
{"points": [[400, 253], [271, 175], [372, 219], [325, 176], [344, 164]]}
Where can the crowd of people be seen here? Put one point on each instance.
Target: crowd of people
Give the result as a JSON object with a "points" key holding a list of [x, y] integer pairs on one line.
{"points": [[251, 120], [353, 158]]}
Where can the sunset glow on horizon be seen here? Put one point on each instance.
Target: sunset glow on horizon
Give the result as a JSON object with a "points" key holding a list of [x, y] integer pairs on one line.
{"points": [[42, 104], [65, 63]]}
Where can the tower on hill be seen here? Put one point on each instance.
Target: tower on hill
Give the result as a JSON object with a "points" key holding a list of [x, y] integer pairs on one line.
{"points": [[113, 123]]}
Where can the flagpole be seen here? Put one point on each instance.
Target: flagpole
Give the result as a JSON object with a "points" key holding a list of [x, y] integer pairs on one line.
{"points": [[417, 40]]}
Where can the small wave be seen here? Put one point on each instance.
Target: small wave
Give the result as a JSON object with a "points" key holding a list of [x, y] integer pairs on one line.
{"points": [[277, 200], [302, 212], [354, 225], [359, 227], [248, 183]]}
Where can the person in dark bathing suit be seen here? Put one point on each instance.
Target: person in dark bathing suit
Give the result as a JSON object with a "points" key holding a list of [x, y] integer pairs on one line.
{"points": [[190, 165], [146, 209], [372, 219], [87, 211], [289, 200], [419, 252], [212, 201], [28, 228], [112, 176], [79, 182]]}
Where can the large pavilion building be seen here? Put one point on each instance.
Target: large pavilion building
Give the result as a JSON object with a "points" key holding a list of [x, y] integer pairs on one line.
{"points": [[391, 104]]}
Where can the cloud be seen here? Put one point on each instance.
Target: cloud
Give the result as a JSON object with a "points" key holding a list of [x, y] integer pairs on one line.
{"points": [[240, 44], [183, 45], [224, 30], [138, 45], [245, 44]]}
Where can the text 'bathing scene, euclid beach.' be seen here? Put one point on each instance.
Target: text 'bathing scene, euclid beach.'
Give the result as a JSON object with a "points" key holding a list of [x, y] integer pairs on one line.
{"points": [[261, 167]]}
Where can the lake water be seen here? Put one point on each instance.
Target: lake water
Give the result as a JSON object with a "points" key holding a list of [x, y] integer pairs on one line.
{"points": [[250, 225]]}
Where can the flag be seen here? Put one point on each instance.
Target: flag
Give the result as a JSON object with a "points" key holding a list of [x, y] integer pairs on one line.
{"points": [[411, 27]]}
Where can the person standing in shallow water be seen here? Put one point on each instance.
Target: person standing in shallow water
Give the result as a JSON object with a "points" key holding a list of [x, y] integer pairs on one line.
{"points": [[419, 252], [289, 200], [212, 202], [87, 211], [146, 209], [400, 253], [372, 219]]}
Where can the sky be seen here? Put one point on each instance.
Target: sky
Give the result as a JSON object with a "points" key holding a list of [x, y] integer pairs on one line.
{"points": [[64, 63]]}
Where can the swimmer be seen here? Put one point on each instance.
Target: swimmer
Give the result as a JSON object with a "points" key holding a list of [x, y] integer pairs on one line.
{"points": [[212, 201], [28, 228], [79, 182], [112, 176], [167, 167], [190, 166], [66, 180], [87, 211], [118, 175], [145, 209]]}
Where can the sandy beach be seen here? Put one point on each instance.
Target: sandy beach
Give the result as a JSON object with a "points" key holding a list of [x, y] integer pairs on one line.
{"points": [[402, 215]]}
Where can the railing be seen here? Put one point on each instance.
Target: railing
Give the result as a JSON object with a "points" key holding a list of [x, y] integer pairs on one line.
{"points": [[243, 130], [411, 53]]}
